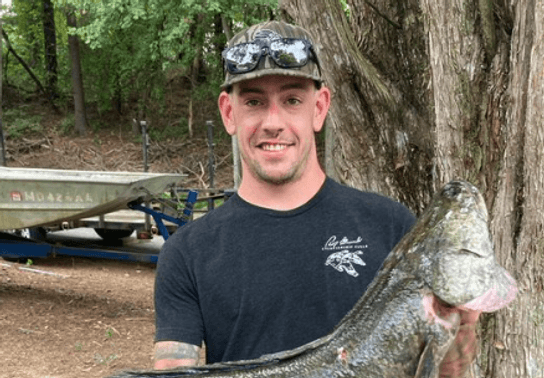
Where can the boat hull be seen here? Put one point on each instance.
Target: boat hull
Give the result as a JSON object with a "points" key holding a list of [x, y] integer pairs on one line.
{"points": [[39, 197]]}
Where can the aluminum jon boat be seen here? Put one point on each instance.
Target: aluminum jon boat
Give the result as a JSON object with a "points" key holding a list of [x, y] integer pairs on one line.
{"points": [[31, 197]]}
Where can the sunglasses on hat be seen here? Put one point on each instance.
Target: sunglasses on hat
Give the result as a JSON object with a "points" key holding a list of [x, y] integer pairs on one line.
{"points": [[285, 52]]}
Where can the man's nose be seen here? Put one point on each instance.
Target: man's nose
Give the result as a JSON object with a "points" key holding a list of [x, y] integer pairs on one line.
{"points": [[273, 120]]}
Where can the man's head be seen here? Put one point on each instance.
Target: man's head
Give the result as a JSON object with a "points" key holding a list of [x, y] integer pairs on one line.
{"points": [[271, 48], [272, 104]]}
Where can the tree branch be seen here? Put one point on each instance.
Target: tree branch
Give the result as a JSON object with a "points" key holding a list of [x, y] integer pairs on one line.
{"points": [[27, 68], [23, 63]]}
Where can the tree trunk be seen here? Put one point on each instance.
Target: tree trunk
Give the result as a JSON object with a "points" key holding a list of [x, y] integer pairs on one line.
{"points": [[425, 91], [80, 115], [50, 40], [382, 139], [517, 211]]}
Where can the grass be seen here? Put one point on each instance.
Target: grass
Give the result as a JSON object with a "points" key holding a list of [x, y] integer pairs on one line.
{"points": [[104, 360], [109, 333]]}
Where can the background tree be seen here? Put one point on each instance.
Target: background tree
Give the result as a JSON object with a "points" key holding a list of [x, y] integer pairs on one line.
{"points": [[80, 113], [33, 30], [50, 44], [131, 51], [430, 90], [173, 39]]}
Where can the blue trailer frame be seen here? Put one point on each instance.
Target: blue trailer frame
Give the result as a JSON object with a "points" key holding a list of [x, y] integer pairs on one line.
{"points": [[19, 248]]}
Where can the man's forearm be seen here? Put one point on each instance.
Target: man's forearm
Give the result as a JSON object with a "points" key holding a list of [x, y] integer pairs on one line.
{"points": [[172, 354]]}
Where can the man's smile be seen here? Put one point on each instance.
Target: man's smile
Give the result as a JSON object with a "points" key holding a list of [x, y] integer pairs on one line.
{"points": [[273, 146]]}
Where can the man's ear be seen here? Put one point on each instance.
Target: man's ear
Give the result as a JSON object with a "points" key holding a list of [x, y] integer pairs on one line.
{"points": [[322, 105], [225, 107]]}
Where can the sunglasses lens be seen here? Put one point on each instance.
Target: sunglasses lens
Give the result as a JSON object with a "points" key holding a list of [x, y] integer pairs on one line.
{"points": [[243, 57], [286, 53], [289, 53]]}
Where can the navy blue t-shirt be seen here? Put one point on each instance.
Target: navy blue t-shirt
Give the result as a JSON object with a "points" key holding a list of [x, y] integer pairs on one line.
{"points": [[250, 281]]}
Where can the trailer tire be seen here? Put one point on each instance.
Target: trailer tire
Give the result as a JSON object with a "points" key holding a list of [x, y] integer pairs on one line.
{"points": [[112, 234]]}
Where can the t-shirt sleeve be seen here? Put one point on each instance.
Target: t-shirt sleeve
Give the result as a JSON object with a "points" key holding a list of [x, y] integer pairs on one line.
{"points": [[177, 312]]}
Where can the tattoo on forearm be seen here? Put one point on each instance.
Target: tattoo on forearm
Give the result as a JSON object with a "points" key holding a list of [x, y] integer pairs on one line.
{"points": [[173, 350]]}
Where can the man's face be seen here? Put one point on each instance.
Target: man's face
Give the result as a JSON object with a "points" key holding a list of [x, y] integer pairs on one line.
{"points": [[274, 119]]}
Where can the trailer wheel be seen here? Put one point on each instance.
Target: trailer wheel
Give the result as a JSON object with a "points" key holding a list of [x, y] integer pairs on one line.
{"points": [[111, 234]]}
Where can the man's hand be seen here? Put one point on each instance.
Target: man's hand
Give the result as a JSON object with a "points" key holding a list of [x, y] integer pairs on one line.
{"points": [[464, 348], [173, 354]]}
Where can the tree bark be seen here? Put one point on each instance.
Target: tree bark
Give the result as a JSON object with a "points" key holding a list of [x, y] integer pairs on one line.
{"points": [[50, 40], [425, 91], [517, 212], [80, 115], [379, 145]]}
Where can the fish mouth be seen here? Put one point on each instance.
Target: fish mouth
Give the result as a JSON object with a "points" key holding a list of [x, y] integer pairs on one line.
{"points": [[502, 292]]}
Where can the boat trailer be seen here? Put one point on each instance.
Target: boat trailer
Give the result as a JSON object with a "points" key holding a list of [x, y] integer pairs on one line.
{"points": [[34, 202], [13, 246]]}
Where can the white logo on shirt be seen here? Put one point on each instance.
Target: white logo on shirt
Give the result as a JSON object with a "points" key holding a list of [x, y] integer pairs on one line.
{"points": [[347, 252]]}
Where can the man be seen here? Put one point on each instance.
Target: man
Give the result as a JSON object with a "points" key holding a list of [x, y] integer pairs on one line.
{"points": [[281, 262]]}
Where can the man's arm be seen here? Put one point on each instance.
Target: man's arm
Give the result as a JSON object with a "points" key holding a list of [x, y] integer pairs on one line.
{"points": [[172, 354]]}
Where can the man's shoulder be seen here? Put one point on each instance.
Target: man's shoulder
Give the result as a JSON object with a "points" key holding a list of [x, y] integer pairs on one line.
{"points": [[369, 207], [209, 223], [354, 197]]}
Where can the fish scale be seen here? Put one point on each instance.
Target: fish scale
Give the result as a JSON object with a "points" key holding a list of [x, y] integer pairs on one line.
{"points": [[393, 330]]}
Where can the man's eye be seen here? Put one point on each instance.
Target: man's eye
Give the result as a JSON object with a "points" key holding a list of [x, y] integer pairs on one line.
{"points": [[252, 102], [293, 101]]}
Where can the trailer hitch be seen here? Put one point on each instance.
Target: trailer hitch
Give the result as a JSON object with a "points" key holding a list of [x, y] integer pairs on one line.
{"points": [[159, 217]]}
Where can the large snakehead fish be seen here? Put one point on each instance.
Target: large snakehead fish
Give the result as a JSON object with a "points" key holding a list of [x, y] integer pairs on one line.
{"points": [[394, 329]]}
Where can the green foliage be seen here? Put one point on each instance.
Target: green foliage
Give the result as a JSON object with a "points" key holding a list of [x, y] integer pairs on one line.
{"points": [[24, 127], [68, 124], [132, 45], [109, 333], [173, 131], [346, 8], [130, 50], [18, 123], [25, 30]]}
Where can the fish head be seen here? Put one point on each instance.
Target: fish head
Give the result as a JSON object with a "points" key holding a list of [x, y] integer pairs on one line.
{"points": [[456, 251]]}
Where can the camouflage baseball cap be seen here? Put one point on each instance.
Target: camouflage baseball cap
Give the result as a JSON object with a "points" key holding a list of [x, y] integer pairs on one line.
{"points": [[273, 30]]}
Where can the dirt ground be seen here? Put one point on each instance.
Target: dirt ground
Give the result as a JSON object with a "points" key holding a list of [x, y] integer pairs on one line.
{"points": [[92, 317]]}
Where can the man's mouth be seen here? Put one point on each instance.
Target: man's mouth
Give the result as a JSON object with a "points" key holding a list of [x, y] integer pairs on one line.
{"points": [[273, 147]]}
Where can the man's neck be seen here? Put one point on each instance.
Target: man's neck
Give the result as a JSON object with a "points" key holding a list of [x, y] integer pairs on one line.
{"points": [[282, 197]]}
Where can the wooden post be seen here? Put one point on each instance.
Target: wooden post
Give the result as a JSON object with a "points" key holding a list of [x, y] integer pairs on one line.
{"points": [[2, 143], [211, 163]]}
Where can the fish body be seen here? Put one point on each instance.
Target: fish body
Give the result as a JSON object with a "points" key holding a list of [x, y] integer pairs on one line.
{"points": [[394, 330]]}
